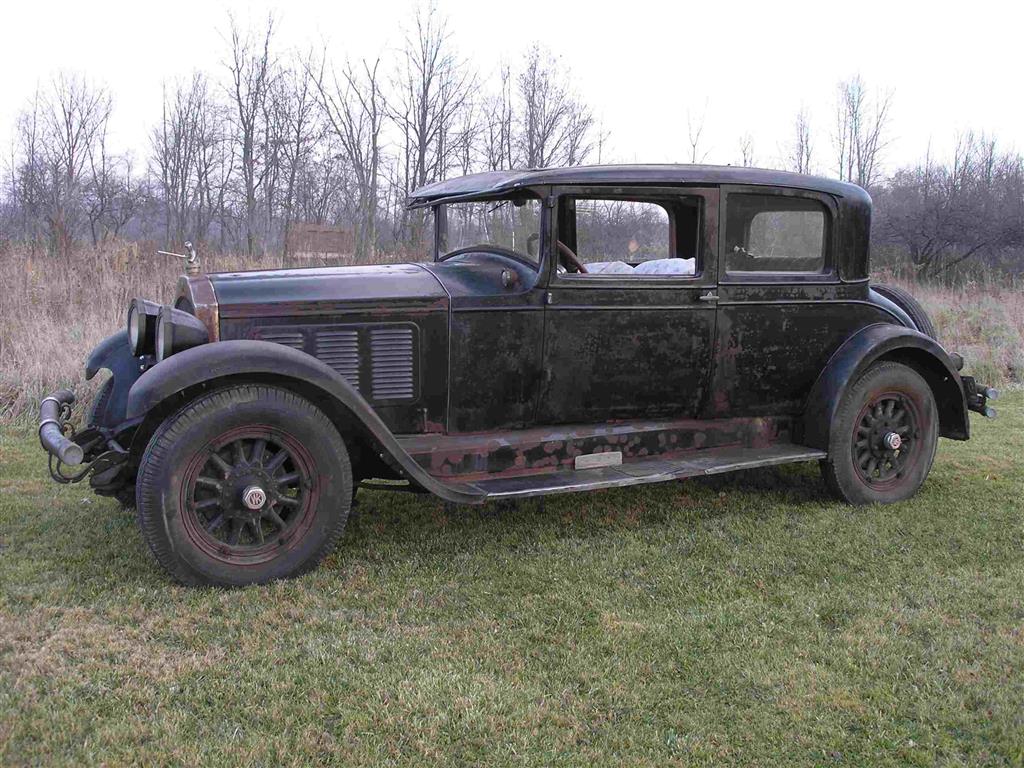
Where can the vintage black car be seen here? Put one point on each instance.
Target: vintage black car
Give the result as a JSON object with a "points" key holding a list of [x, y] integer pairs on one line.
{"points": [[578, 328]]}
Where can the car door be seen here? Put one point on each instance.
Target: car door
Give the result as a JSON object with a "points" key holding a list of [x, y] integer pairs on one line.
{"points": [[784, 308], [633, 337]]}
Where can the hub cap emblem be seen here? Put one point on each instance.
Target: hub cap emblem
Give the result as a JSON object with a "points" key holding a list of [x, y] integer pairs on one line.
{"points": [[893, 441], [254, 497]]}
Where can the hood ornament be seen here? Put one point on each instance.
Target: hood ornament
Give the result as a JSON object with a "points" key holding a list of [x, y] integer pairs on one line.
{"points": [[191, 259]]}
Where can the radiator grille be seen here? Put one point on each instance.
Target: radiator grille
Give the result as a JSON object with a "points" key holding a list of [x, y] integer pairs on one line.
{"points": [[340, 350], [391, 363]]}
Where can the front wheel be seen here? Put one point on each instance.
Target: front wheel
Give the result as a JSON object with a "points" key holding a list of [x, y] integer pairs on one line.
{"points": [[243, 486], [883, 437]]}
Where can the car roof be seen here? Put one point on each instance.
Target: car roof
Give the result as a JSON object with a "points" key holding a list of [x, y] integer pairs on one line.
{"points": [[497, 183]]}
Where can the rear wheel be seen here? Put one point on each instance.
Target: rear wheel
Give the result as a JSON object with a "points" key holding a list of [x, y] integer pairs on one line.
{"points": [[243, 486], [883, 437]]}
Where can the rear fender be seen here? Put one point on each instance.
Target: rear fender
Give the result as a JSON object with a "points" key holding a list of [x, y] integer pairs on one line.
{"points": [[225, 361], [877, 343]]}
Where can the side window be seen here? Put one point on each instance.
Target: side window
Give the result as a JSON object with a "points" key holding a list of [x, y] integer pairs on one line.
{"points": [[775, 233], [626, 237]]}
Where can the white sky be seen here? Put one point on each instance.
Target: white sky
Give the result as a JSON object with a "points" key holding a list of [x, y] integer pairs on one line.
{"points": [[749, 66]]}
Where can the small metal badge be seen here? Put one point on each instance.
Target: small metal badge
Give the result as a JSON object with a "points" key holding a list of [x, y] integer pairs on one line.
{"points": [[595, 460]]}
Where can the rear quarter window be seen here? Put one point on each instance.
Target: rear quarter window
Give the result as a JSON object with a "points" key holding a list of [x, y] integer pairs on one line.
{"points": [[776, 233]]}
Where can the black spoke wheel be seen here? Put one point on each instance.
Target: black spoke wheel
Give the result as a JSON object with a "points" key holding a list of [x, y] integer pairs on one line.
{"points": [[885, 439], [883, 436], [243, 486], [249, 494]]}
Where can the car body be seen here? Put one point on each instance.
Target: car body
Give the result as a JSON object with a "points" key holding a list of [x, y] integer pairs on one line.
{"points": [[577, 328]]}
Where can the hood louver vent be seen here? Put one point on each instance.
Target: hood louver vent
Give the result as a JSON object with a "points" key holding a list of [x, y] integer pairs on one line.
{"points": [[293, 339], [340, 350], [379, 360], [391, 363]]}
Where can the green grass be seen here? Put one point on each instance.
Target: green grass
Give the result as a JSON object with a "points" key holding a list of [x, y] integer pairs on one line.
{"points": [[746, 620]]}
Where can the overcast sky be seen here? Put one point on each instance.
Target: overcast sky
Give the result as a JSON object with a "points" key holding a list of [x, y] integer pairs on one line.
{"points": [[643, 66]]}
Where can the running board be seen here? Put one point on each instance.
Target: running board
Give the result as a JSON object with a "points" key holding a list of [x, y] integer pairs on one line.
{"points": [[711, 461]]}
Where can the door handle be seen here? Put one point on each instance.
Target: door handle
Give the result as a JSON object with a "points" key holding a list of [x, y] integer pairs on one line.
{"points": [[709, 296]]}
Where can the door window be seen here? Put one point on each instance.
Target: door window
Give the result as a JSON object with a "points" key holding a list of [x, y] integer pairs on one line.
{"points": [[631, 237]]}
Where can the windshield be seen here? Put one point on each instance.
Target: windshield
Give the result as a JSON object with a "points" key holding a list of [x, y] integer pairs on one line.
{"points": [[509, 225]]}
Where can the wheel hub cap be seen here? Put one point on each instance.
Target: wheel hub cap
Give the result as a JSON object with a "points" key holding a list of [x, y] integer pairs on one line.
{"points": [[254, 497], [893, 441]]}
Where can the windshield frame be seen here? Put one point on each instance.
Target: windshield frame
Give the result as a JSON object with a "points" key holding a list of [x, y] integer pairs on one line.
{"points": [[440, 210]]}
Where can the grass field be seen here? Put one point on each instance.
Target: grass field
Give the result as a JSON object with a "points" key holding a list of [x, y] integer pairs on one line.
{"points": [[745, 620]]}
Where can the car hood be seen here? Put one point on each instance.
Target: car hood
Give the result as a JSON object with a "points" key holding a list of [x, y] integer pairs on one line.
{"points": [[282, 291]]}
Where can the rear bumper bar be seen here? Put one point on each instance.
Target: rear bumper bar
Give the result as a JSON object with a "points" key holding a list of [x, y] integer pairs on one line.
{"points": [[978, 396]]}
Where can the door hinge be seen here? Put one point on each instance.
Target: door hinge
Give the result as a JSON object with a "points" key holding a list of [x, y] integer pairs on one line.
{"points": [[549, 298]]}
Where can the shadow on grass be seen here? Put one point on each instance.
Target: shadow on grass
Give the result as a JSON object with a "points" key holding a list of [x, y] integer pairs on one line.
{"points": [[405, 519], [93, 546]]}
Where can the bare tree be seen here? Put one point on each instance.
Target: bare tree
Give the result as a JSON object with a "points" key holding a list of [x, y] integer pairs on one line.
{"points": [[941, 216], [799, 155], [861, 132], [432, 86], [111, 196], [191, 159], [694, 131], [353, 106], [499, 130], [555, 125], [747, 150], [295, 101], [252, 70], [29, 173], [58, 135]]}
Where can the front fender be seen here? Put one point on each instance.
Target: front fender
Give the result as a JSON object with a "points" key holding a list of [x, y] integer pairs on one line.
{"points": [[227, 359], [114, 354], [874, 343]]}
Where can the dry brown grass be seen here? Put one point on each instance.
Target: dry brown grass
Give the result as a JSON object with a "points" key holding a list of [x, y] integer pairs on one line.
{"points": [[50, 316], [983, 321]]}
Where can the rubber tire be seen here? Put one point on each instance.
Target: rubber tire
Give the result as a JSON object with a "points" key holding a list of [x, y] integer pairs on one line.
{"points": [[910, 305], [98, 408], [174, 444], [838, 470]]}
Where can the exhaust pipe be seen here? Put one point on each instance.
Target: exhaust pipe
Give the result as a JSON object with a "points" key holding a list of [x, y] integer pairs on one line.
{"points": [[51, 434]]}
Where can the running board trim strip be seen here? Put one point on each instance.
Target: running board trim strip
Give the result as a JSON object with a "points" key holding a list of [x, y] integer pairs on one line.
{"points": [[712, 461]]}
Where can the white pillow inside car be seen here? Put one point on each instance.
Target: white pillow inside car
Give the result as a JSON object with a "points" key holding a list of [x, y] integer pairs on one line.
{"points": [[666, 267], [609, 268]]}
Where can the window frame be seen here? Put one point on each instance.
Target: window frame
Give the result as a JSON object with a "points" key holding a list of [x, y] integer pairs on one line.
{"points": [[706, 245], [827, 274], [440, 229]]}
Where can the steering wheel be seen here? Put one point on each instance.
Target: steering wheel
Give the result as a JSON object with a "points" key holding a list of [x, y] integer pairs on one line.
{"points": [[570, 259]]}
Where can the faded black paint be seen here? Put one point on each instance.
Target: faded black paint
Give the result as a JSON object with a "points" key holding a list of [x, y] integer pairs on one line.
{"points": [[507, 353]]}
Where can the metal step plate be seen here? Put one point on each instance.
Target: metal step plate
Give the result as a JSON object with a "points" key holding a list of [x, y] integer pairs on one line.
{"points": [[596, 460]]}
